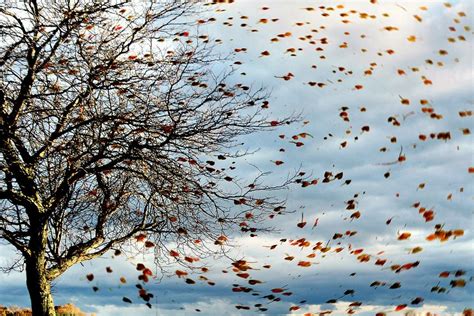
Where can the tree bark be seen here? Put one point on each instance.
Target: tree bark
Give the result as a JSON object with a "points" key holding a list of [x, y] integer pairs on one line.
{"points": [[37, 280]]}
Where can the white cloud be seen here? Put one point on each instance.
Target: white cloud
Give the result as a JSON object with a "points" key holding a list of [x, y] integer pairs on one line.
{"points": [[340, 308]]}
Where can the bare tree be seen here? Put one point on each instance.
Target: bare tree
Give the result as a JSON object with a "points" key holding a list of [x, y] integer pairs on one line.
{"points": [[113, 124]]}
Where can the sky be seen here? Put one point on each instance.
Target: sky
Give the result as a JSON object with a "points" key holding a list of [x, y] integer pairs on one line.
{"points": [[435, 172]]}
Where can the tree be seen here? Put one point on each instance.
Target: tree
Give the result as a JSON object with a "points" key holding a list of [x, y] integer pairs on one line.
{"points": [[111, 119]]}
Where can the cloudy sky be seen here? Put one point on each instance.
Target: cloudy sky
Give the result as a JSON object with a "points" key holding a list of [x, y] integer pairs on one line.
{"points": [[359, 67]]}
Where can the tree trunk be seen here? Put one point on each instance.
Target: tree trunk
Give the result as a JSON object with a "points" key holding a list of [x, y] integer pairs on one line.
{"points": [[39, 288], [37, 280]]}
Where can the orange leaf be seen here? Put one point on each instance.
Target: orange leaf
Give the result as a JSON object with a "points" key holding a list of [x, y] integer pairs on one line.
{"points": [[243, 275], [180, 273], [400, 307], [404, 236], [174, 253]]}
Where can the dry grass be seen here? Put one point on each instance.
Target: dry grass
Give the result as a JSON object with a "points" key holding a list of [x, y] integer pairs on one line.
{"points": [[65, 310]]}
